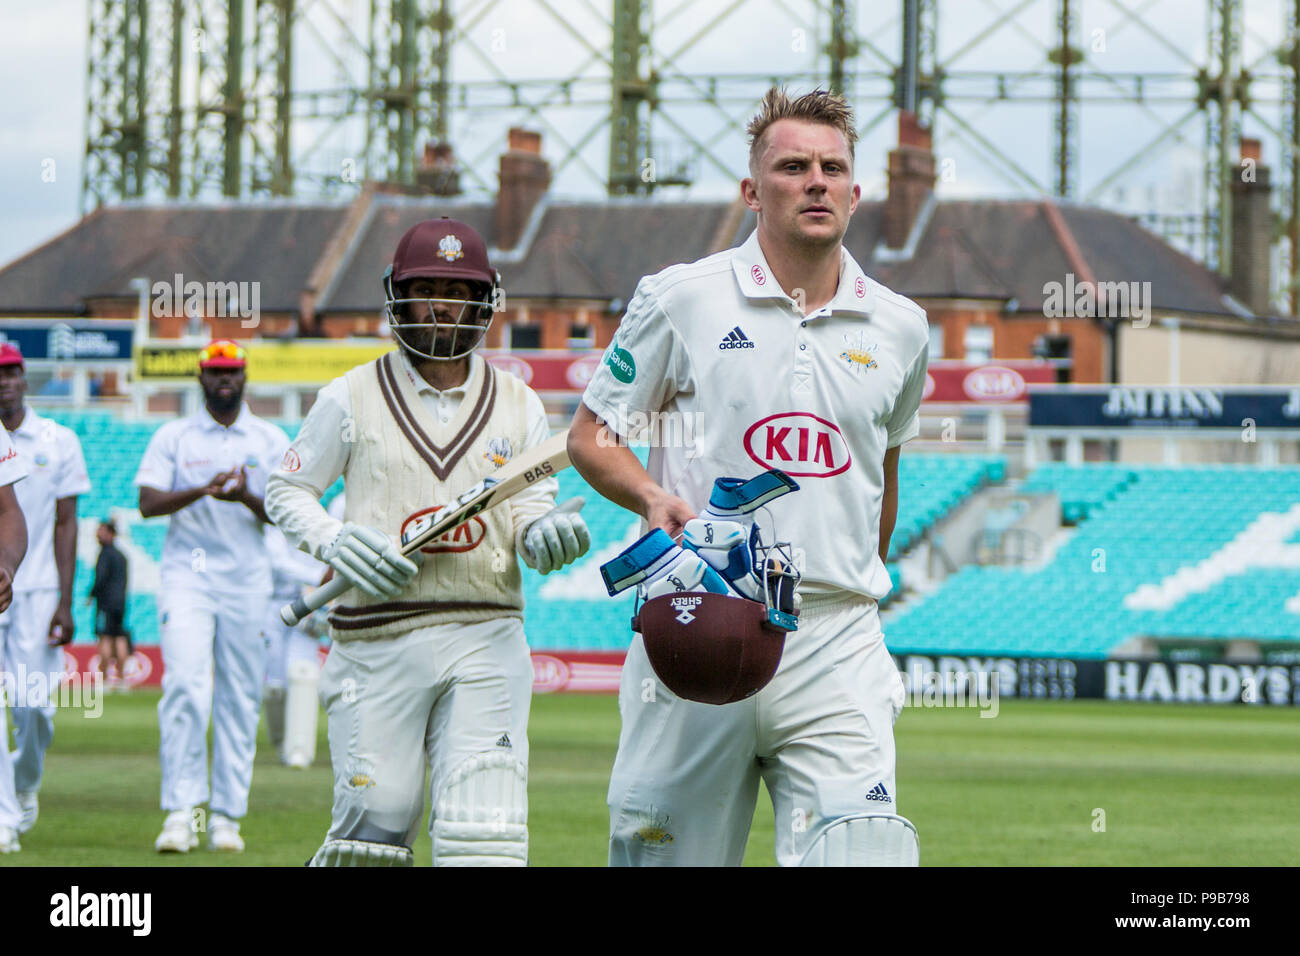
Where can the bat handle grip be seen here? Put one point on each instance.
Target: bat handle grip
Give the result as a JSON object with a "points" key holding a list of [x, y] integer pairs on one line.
{"points": [[293, 612]]}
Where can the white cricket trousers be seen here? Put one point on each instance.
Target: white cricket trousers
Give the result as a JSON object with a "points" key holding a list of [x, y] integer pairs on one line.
{"points": [[434, 697], [820, 735], [10, 815], [214, 658], [24, 653]]}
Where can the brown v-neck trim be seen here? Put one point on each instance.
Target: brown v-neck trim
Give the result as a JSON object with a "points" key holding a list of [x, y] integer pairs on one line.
{"points": [[440, 459], [378, 615]]}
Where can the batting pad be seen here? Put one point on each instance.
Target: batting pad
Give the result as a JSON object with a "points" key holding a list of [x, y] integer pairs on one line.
{"points": [[481, 818], [361, 853], [301, 708], [867, 839]]}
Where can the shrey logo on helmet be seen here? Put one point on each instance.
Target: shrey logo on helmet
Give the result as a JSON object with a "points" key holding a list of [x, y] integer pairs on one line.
{"points": [[800, 444], [685, 606]]}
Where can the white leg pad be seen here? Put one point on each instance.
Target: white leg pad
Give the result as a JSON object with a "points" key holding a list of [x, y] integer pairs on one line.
{"points": [[361, 853], [865, 839], [301, 712], [481, 817], [273, 702]]}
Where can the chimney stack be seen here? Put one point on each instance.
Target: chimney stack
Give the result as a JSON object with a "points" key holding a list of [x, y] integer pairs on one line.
{"points": [[438, 173], [1250, 281], [525, 177], [911, 179]]}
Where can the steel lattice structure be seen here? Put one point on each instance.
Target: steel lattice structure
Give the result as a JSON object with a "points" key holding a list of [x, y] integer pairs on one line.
{"points": [[311, 97]]}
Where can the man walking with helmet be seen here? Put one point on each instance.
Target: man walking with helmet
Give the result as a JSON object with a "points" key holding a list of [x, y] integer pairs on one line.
{"points": [[824, 393]]}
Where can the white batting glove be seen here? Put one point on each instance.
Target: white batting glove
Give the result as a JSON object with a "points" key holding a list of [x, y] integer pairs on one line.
{"points": [[557, 538], [369, 560]]}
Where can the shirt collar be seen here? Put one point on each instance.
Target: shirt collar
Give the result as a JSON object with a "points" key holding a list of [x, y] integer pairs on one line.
{"points": [[239, 425], [422, 385], [855, 294], [31, 426]]}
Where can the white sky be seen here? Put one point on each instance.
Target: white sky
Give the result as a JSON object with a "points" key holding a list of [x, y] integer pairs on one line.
{"points": [[43, 70]]}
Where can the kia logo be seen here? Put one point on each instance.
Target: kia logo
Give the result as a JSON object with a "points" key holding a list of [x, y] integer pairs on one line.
{"points": [[464, 537], [138, 667], [514, 365], [549, 674], [993, 383], [793, 441], [929, 387], [580, 371]]}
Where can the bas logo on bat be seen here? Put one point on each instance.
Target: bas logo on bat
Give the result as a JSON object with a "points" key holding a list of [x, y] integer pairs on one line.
{"points": [[541, 471]]}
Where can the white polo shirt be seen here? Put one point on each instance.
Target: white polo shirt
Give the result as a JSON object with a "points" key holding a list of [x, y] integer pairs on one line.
{"points": [[745, 382], [11, 465], [55, 469], [212, 544]]}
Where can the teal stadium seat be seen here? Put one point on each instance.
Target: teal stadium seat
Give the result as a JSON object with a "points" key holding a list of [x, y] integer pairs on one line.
{"points": [[1138, 526], [568, 610], [113, 449]]}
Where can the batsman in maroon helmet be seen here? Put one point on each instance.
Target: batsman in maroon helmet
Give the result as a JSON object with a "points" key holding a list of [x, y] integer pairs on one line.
{"points": [[429, 671]]}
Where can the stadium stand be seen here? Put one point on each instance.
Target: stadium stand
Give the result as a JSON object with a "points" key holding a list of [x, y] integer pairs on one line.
{"points": [[1135, 528], [592, 621], [1152, 556], [113, 449]]}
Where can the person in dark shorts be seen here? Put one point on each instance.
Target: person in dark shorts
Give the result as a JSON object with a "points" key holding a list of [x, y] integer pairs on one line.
{"points": [[109, 591]]}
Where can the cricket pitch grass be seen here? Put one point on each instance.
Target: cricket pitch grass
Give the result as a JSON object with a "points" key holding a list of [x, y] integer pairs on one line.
{"points": [[1081, 783]]}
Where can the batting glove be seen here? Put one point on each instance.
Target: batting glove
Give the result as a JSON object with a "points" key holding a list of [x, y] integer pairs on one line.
{"points": [[557, 538], [370, 561]]}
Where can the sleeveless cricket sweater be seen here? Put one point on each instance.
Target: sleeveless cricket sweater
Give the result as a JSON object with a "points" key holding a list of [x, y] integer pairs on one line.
{"points": [[404, 464]]}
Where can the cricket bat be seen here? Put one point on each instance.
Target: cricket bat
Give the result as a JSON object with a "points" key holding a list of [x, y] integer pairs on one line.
{"points": [[523, 470]]}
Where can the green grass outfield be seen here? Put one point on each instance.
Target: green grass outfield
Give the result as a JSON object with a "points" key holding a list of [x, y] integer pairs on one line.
{"points": [[1180, 785]]}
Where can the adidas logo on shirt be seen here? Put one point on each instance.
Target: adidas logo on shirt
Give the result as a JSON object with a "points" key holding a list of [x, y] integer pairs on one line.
{"points": [[504, 741], [878, 792], [736, 339]]}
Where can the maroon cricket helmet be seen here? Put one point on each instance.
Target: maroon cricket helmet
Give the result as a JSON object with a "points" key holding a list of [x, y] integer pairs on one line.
{"points": [[441, 248], [710, 648]]}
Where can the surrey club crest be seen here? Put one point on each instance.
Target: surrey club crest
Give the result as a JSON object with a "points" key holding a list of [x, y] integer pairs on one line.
{"points": [[449, 248], [858, 353], [498, 451]]}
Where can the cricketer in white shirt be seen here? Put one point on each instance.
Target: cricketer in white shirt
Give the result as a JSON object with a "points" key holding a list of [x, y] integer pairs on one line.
{"points": [[214, 589], [12, 471], [715, 354], [56, 475]]}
